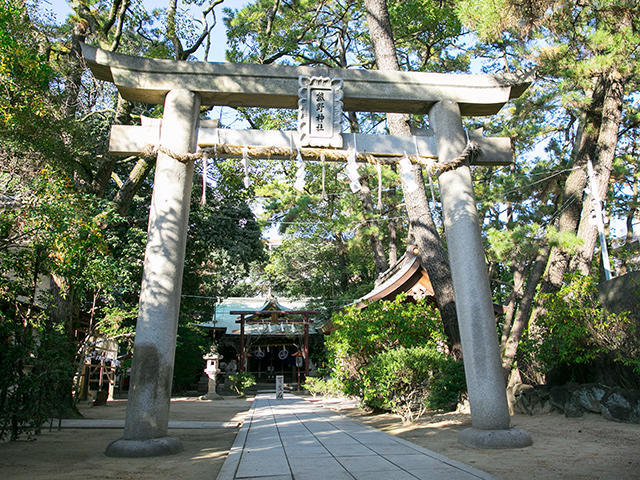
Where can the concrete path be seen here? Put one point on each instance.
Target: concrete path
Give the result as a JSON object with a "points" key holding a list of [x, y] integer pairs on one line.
{"points": [[295, 439]]}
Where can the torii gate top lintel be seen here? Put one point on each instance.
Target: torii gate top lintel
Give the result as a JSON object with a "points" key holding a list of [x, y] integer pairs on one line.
{"points": [[276, 86]]}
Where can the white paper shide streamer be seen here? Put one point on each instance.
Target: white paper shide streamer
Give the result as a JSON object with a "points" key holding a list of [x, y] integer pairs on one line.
{"points": [[406, 171], [245, 164], [352, 172], [300, 173]]}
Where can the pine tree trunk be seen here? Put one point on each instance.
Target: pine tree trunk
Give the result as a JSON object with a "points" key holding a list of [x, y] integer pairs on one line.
{"points": [[103, 174], [130, 187], [605, 154], [514, 299], [422, 227], [568, 221], [379, 256], [510, 349]]}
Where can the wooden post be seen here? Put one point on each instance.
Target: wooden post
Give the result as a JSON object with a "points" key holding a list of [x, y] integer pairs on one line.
{"points": [[100, 376], [241, 343]]}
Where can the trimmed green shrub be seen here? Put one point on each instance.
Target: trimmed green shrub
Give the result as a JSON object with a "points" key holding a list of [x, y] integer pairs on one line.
{"points": [[361, 334], [410, 381], [325, 387], [241, 382]]}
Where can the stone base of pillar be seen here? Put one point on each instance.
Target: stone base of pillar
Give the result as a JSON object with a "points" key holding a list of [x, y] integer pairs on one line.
{"points": [[153, 447], [495, 439], [211, 396]]}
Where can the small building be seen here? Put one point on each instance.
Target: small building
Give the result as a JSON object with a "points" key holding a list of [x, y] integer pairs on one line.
{"points": [[271, 347]]}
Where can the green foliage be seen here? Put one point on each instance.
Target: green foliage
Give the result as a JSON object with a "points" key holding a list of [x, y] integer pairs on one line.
{"points": [[36, 364], [191, 344], [387, 354], [424, 31], [303, 31], [576, 330], [70, 231], [360, 335], [223, 244], [29, 121], [325, 387], [409, 381], [567, 241], [241, 382], [325, 249]]}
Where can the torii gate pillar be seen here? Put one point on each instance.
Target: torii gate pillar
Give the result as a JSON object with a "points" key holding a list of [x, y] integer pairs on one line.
{"points": [[485, 379], [147, 419]]}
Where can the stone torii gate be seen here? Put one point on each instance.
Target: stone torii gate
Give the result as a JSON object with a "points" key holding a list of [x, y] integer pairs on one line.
{"points": [[183, 86]]}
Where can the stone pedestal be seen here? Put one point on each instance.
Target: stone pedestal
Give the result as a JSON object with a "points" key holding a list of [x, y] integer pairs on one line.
{"points": [[279, 387], [485, 379], [147, 417]]}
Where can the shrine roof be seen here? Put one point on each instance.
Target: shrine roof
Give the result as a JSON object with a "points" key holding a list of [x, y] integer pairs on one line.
{"points": [[276, 86], [406, 275], [222, 317]]}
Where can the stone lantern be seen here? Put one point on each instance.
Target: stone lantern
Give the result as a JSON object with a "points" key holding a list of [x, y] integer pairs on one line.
{"points": [[213, 362]]}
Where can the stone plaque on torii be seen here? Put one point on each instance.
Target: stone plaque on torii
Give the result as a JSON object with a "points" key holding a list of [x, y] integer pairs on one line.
{"points": [[183, 86]]}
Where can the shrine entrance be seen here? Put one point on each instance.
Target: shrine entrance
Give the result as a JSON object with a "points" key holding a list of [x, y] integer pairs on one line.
{"points": [[320, 94], [277, 326]]}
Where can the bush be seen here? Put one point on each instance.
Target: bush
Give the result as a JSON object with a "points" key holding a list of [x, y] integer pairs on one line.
{"points": [[191, 345], [325, 387], [382, 326], [409, 381], [576, 330], [241, 381], [36, 369]]}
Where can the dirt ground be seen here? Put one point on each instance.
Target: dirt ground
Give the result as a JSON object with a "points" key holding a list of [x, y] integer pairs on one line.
{"points": [[586, 448], [72, 454], [564, 448]]}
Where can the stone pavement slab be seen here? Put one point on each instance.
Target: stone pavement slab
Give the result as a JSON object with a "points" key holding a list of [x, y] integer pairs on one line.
{"points": [[295, 439]]}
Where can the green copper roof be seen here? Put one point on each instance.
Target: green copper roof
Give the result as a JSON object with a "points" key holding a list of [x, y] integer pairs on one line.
{"points": [[223, 319]]}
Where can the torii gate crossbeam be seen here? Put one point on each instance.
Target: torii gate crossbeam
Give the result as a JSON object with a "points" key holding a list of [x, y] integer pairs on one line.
{"points": [[183, 87]]}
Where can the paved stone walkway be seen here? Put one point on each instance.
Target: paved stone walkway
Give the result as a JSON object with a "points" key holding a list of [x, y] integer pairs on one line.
{"points": [[295, 439]]}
